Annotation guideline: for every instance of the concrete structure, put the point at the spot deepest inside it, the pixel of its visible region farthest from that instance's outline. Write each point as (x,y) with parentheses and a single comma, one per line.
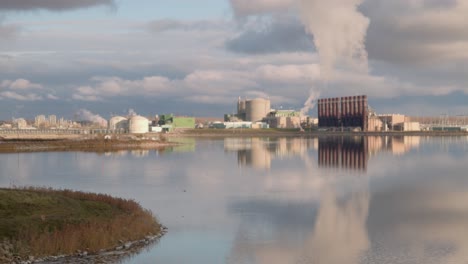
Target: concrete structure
(374,124)
(257,109)
(408,126)
(390,120)
(118,123)
(138,125)
(284,119)
(251,110)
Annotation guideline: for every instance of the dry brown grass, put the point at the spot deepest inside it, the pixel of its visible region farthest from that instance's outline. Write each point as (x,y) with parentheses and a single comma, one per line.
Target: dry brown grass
(102,225)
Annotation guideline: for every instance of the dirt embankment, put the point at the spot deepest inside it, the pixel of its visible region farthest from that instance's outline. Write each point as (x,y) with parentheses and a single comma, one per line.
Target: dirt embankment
(81,144)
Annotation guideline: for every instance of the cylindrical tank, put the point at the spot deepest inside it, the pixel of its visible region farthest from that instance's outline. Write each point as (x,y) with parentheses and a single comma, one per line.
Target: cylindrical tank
(118,123)
(257,109)
(138,125)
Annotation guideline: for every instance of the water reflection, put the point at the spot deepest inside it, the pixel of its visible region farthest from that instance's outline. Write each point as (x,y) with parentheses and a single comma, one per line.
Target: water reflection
(343,152)
(332,229)
(335,152)
(259,152)
(354,152)
(264,200)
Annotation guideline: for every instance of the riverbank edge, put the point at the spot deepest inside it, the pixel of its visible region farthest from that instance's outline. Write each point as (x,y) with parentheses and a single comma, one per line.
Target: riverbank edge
(213,133)
(14,145)
(124,248)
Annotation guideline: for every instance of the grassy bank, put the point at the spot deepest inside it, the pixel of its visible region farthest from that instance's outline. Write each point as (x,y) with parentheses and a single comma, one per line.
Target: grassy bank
(41,222)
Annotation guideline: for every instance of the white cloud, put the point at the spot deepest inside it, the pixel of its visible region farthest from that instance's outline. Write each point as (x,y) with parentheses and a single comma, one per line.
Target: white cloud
(23,84)
(52,97)
(20,84)
(20,97)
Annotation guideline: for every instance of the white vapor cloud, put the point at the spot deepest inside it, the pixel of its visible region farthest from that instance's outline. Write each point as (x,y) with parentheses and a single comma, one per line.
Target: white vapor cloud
(339,32)
(87,115)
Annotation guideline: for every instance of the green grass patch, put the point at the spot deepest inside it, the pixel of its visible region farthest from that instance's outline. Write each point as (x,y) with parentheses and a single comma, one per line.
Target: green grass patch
(41,222)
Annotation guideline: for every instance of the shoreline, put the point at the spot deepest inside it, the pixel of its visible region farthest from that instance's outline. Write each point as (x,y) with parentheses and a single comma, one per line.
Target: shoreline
(14,145)
(67,226)
(296,133)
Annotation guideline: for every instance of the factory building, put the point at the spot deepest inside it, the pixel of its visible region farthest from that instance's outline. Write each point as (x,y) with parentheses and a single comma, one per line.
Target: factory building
(180,122)
(353,112)
(252,110)
(407,126)
(349,112)
(284,119)
(391,120)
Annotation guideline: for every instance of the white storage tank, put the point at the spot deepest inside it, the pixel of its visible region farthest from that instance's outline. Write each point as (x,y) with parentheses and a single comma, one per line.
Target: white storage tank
(257,109)
(138,125)
(118,123)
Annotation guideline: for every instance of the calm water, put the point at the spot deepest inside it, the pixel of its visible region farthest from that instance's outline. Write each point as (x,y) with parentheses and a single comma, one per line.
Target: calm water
(341,200)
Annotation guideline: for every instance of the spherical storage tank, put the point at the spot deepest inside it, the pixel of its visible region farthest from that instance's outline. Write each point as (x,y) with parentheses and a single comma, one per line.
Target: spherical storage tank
(118,123)
(138,125)
(257,109)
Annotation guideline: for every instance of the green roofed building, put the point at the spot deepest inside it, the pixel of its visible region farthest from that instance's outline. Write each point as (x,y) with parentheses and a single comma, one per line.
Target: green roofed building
(183,122)
(177,122)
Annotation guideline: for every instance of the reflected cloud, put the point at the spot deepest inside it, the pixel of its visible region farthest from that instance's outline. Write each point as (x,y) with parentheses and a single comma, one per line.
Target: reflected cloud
(333,233)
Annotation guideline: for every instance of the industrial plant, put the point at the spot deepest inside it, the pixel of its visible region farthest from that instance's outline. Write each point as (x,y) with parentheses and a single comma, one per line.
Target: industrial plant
(257,113)
(337,114)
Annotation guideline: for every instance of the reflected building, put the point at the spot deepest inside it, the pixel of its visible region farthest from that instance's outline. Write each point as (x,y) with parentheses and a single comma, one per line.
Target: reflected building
(354,152)
(343,152)
(258,153)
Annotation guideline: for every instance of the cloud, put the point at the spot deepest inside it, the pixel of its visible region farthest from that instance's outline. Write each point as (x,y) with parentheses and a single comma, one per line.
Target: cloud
(278,35)
(52,5)
(417,32)
(8,30)
(25,90)
(20,84)
(20,97)
(244,8)
(162,25)
(23,84)
(114,86)
(52,97)
(288,74)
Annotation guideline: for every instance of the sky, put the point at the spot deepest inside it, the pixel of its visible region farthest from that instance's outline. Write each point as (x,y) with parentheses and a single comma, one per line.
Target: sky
(197,57)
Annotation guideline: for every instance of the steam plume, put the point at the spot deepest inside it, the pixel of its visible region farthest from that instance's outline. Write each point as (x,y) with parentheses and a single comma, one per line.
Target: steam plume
(339,32)
(89,116)
(131,112)
(311,101)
